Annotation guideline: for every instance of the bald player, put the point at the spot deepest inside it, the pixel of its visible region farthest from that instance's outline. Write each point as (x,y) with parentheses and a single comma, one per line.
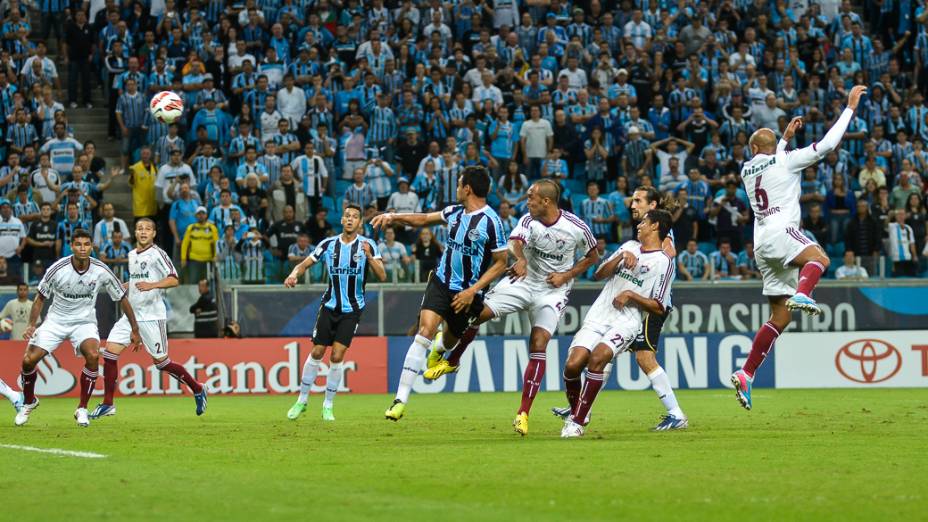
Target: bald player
(546,244)
(772,180)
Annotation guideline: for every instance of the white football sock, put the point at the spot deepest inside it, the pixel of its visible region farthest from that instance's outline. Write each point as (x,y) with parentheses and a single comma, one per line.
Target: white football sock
(310,370)
(412,365)
(661,384)
(8,392)
(332,381)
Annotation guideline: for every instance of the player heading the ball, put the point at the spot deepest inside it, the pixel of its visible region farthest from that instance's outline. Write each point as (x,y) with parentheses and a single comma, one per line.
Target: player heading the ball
(475,256)
(773,181)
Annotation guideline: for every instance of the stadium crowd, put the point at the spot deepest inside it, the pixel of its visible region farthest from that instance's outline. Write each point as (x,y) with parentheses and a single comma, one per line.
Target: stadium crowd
(295,108)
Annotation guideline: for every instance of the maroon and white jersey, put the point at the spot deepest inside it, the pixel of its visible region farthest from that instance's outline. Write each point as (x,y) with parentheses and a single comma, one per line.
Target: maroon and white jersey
(150,265)
(74,294)
(773,182)
(551,248)
(650,278)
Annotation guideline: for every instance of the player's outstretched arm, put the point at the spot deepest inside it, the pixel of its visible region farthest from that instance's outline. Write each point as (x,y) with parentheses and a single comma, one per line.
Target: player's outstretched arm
(34,314)
(807,156)
(413,219)
(465,297)
(298,271)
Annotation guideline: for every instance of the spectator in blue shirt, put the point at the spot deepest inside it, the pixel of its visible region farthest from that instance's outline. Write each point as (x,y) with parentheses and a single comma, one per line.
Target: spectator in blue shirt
(724,262)
(183,212)
(692,264)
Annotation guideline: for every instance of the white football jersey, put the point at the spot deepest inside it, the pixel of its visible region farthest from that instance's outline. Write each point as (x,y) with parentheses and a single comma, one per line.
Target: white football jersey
(74,294)
(773,184)
(150,265)
(651,278)
(552,248)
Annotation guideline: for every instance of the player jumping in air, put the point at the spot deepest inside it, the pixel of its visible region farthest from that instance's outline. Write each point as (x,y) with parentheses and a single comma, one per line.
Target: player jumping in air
(150,273)
(645,345)
(474,257)
(74,282)
(772,180)
(545,244)
(614,321)
(347,258)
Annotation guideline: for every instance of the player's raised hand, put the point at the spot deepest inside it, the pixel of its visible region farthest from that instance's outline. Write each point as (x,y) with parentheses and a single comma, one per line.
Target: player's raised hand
(518,270)
(857,92)
(558,279)
(382,220)
(463,300)
(794,125)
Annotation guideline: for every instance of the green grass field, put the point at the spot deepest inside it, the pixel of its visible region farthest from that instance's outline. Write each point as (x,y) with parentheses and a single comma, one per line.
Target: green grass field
(800,455)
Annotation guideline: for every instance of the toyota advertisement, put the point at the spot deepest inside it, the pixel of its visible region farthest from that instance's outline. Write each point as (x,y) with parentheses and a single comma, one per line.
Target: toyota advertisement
(491,364)
(852,360)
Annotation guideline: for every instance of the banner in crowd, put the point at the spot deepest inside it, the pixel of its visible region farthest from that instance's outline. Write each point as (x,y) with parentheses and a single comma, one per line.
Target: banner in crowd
(707,309)
(237,366)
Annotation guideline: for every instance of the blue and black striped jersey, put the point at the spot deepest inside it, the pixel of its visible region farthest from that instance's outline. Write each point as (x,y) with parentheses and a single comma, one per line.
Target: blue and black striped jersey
(472,238)
(347,266)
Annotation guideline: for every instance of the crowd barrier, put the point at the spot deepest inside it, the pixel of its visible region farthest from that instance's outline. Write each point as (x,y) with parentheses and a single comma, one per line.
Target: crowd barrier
(373,364)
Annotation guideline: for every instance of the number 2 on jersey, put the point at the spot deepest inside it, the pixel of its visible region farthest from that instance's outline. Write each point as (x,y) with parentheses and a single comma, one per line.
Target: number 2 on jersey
(760,195)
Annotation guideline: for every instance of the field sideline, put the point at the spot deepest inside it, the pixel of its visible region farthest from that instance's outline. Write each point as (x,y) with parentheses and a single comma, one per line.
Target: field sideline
(801,455)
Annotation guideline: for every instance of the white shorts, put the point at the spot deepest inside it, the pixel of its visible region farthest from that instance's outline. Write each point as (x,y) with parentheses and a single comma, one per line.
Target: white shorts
(154,335)
(50,335)
(774,255)
(508,297)
(618,337)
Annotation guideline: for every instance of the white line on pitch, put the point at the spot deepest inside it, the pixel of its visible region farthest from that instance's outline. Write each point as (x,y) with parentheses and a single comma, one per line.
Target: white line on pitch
(56,451)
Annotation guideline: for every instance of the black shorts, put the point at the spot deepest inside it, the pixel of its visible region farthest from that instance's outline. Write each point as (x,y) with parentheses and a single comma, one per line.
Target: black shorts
(650,332)
(335,327)
(437,298)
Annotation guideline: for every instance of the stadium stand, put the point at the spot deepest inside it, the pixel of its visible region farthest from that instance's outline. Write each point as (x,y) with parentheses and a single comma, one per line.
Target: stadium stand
(286,100)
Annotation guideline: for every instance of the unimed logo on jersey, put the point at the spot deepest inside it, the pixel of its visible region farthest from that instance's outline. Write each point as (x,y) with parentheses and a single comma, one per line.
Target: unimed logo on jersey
(868,361)
(225,366)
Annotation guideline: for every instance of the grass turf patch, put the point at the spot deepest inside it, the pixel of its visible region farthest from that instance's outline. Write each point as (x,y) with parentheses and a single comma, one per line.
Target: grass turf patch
(800,455)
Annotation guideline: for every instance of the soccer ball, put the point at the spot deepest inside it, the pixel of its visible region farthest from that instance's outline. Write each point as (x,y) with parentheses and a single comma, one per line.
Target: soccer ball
(166,107)
(6,325)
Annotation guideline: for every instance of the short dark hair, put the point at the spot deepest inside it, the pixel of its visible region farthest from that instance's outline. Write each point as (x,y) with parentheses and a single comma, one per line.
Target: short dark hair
(355,207)
(663,219)
(148,220)
(478,179)
(80,233)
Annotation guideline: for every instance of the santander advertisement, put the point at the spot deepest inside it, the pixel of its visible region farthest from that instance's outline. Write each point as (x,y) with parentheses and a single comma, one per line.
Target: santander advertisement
(227,366)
